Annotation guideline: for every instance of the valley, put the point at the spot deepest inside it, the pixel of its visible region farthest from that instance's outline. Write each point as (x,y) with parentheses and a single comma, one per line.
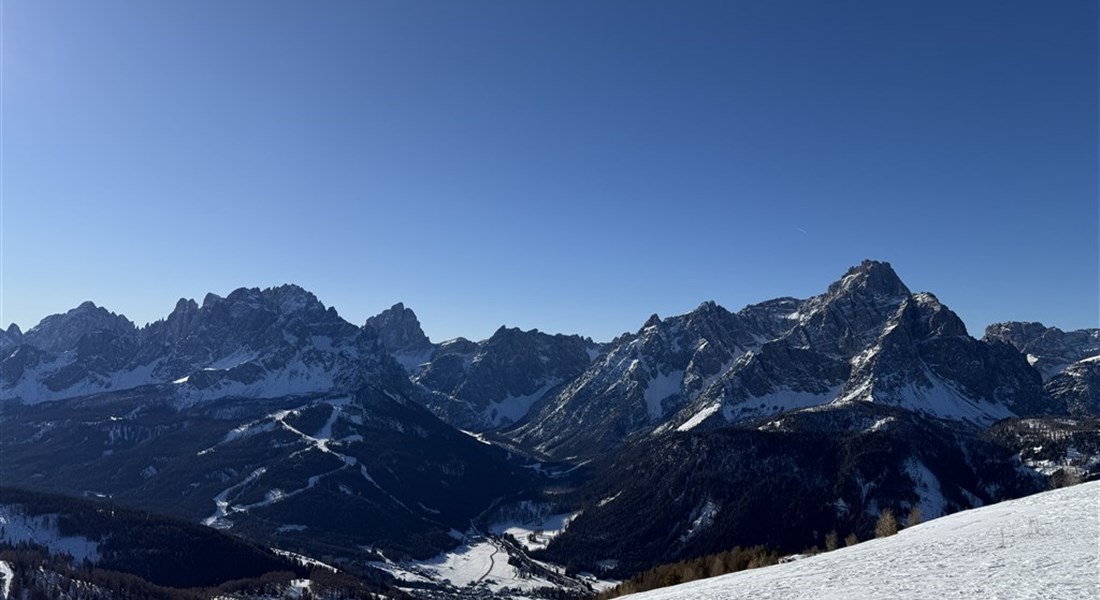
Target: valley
(528,464)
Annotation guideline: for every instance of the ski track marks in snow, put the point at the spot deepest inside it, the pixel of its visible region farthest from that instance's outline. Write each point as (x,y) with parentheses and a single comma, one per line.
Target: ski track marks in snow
(223,501)
(1043,546)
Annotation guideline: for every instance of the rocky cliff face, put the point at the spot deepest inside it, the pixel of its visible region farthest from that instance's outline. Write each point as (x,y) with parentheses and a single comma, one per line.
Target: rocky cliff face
(266,412)
(1069,361)
(263,411)
(1048,349)
(253,343)
(399,330)
(482,386)
(1078,387)
(493,383)
(866,339)
(784,483)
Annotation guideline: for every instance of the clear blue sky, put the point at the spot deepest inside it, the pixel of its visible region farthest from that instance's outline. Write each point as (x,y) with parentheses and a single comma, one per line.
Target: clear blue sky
(571,166)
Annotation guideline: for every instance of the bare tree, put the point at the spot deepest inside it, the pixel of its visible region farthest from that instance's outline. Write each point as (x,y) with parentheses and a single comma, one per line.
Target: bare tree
(915,517)
(887,524)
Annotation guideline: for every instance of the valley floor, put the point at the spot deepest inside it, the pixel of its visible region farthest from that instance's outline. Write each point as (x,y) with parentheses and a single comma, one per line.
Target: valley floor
(1045,546)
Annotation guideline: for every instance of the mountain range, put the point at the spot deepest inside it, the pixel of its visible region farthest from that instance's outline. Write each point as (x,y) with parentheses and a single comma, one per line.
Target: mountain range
(266,414)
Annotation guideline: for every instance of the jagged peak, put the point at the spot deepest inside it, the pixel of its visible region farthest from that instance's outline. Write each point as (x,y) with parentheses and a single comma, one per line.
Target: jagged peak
(506,333)
(1026,324)
(709,309)
(244,294)
(60,332)
(396,312)
(652,321)
(1023,328)
(288,290)
(870,276)
(88,308)
(938,319)
(287,298)
(185,304)
(292,298)
(14,330)
(398,328)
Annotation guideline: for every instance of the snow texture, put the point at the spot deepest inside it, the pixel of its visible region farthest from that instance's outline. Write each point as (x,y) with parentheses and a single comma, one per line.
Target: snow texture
(1042,546)
(481,563)
(546,528)
(513,408)
(7,574)
(781,400)
(700,416)
(224,501)
(660,387)
(932,502)
(41,530)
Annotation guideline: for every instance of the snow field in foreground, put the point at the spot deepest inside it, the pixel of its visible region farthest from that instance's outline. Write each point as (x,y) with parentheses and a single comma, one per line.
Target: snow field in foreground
(1042,547)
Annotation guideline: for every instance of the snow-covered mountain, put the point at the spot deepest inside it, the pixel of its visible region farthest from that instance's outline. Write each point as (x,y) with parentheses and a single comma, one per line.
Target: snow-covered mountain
(1078,387)
(399,330)
(480,386)
(248,411)
(267,413)
(254,343)
(784,483)
(1069,361)
(46,539)
(866,339)
(339,474)
(1042,546)
(493,383)
(1048,349)
(11,336)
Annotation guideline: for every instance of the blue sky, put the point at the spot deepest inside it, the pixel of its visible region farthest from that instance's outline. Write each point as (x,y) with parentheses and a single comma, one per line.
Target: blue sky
(571,166)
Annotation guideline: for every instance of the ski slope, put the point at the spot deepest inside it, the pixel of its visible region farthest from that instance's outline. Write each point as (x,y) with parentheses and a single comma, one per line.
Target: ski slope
(1045,546)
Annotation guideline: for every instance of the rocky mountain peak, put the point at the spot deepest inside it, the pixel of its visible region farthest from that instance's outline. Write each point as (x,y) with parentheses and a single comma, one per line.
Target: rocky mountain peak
(399,329)
(57,333)
(709,311)
(11,337)
(867,338)
(255,308)
(513,337)
(1048,349)
(853,311)
(290,298)
(185,305)
(870,277)
(1019,333)
(937,319)
(1078,387)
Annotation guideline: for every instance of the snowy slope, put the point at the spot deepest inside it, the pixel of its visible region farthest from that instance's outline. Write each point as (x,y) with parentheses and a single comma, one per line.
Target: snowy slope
(1042,546)
(16,527)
